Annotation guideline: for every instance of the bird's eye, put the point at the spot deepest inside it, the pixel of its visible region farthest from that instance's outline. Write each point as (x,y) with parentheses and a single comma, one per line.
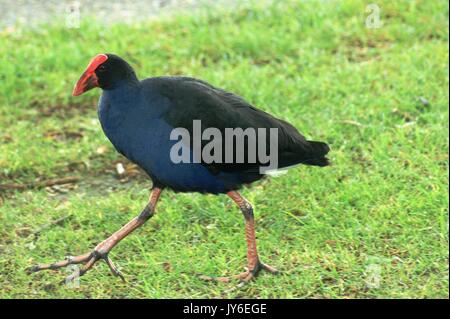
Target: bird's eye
(101,68)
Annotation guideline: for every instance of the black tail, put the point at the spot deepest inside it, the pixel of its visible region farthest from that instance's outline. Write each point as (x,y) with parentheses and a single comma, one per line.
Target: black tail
(319,149)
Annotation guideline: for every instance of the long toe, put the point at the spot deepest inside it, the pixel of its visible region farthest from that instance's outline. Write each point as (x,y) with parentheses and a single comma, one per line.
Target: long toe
(270,269)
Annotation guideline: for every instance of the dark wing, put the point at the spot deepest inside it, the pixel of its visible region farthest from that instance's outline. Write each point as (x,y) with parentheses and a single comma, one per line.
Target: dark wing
(193,99)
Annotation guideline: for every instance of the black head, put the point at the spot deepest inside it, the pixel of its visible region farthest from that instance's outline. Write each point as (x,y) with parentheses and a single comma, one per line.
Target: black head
(114,70)
(105,71)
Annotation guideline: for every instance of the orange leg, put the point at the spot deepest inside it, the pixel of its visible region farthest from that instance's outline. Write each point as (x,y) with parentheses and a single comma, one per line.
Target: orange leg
(102,250)
(254,265)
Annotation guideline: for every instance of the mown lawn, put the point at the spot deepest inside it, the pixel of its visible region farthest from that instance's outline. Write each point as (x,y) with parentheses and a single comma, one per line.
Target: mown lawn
(373,225)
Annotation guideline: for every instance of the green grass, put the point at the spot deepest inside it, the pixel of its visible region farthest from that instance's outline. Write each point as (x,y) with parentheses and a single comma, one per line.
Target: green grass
(382,208)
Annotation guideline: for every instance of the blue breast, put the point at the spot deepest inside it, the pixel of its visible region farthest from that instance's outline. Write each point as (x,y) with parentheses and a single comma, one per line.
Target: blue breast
(133,122)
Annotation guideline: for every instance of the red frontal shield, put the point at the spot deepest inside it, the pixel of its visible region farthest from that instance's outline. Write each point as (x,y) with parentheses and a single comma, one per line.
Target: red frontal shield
(88,79)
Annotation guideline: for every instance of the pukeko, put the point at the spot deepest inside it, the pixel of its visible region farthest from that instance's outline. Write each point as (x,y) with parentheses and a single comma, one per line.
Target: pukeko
(140,117)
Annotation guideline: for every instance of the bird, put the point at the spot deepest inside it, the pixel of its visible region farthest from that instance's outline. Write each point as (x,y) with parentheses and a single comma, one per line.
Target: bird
(141,118)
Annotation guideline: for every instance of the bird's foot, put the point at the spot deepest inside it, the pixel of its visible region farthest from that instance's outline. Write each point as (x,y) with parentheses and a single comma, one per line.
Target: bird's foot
(246,276)
(88,260)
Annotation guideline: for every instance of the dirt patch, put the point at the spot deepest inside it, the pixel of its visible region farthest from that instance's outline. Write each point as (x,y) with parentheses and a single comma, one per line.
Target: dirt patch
(359,50)
(6,138)
(64,135)
(40,183)
(76,177)
(358,157)
(60,109)
(67,110)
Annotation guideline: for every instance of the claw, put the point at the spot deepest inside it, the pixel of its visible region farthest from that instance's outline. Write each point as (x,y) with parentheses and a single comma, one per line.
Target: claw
(32,269)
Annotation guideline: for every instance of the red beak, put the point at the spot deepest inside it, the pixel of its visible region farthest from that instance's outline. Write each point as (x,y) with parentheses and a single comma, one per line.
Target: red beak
(88,79)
